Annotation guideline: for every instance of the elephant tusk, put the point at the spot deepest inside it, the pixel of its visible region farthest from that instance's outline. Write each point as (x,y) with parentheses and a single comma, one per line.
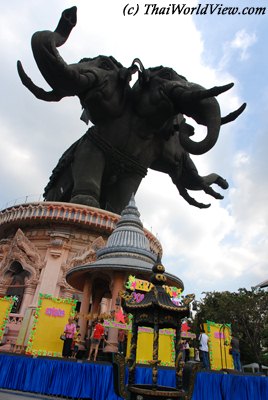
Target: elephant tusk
(38,92)
(233,115)
(213,92)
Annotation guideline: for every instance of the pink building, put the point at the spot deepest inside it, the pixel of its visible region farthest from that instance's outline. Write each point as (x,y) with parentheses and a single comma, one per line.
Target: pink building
(41,243)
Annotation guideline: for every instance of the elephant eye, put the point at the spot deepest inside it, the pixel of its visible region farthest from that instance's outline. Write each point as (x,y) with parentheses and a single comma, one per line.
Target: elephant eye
(105,64)
(165,75)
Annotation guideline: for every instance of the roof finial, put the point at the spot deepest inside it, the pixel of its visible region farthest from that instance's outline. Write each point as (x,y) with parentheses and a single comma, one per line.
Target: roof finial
(158,278)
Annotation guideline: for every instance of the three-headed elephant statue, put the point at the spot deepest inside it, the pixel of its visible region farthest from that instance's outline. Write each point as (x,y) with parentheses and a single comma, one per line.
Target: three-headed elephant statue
(133,127)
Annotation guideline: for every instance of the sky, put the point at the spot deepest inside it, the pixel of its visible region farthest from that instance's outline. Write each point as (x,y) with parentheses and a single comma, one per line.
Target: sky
(221,248)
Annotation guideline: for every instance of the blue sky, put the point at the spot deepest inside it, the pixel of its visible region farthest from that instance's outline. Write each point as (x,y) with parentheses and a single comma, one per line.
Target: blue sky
(221,248)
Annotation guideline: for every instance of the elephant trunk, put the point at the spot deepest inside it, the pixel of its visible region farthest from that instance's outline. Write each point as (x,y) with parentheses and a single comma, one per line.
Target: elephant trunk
(199,104)
(65,80)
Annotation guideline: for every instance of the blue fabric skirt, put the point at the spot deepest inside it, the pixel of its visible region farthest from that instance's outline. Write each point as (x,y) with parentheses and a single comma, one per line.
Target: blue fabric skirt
(95,380)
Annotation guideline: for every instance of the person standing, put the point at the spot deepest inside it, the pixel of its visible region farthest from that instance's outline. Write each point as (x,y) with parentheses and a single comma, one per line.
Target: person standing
(97,335)
(69,331)
(203,347)
(235,350)
(187,351)
(121,341)
(191,351)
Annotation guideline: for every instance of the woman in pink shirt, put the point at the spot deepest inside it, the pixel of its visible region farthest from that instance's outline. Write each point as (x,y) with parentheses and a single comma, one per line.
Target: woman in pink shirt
(69,331)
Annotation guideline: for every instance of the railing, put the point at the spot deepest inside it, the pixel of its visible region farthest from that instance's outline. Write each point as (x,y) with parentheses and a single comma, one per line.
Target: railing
(22,200)
(61,212)
(43,212)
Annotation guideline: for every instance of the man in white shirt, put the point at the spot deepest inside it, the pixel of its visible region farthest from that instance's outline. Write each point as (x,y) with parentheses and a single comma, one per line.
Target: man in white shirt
(203,347)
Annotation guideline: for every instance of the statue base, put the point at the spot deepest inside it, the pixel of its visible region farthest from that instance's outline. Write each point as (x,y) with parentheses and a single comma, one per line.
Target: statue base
(148,392)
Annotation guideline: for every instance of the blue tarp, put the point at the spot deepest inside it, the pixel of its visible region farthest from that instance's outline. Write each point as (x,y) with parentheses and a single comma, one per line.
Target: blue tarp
(95,380)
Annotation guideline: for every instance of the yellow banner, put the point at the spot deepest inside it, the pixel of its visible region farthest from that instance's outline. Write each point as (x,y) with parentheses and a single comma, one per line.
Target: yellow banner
(166,350)
(51,316)
(6,304)
(219,345)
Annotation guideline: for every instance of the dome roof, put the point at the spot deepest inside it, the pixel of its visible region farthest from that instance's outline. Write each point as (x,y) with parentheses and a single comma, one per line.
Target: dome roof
(127,249)
(128,238)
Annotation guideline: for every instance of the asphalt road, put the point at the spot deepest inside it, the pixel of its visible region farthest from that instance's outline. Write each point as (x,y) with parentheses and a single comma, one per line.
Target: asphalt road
(15,395)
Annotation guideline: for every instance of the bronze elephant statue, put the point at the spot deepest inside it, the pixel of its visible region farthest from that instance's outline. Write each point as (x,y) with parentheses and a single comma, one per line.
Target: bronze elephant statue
(133,126)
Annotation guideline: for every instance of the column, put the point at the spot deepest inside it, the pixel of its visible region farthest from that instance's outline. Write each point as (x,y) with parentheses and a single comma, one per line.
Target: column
(118,284)
(27,299)
(84,308)
(155,361)
(133,352)
(104,306)
(56,256)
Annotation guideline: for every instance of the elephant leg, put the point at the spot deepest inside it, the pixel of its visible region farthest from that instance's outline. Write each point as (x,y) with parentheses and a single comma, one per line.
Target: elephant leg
(207,189)
(190,200)
(181,177)
(87,170)
(119,194)
(209,180)
(215,178)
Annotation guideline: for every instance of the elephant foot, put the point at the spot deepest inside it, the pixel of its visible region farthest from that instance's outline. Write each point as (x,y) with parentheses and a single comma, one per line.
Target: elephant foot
(222,182)
(85,199)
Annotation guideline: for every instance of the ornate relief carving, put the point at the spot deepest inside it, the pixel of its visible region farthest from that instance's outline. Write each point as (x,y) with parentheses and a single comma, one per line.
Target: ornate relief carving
(24,251)
(4,246)
(65,287)
(88,254)
(58,242)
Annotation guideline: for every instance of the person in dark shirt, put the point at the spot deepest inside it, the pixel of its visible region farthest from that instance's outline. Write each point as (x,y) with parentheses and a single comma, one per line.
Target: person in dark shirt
(235,350)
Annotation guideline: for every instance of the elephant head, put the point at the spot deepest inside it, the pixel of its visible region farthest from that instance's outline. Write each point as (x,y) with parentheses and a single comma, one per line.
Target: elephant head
(101,83)
(160,94)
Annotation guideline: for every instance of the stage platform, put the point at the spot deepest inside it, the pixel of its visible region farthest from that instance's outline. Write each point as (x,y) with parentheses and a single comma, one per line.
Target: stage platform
(94,381)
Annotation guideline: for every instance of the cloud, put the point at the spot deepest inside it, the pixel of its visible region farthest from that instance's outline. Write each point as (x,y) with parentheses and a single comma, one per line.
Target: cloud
(224,247)
(238,48)
(242,42)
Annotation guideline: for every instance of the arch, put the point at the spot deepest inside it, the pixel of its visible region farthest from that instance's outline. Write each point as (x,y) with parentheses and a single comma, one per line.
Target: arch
(16,277)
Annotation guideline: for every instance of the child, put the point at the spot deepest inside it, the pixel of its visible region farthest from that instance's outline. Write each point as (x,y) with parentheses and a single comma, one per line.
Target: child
(191,352)
(77,342)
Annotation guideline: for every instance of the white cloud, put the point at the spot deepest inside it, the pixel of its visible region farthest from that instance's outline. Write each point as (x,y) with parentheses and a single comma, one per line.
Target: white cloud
(224,247)
(237,48)
(243,41)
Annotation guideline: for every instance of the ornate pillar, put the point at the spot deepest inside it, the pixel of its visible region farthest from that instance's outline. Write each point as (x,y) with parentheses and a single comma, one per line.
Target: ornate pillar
(118,284)
(56,257)
(27,298)
(104,305)
(155,361)
(84,308)
(178,358)
(96,304)
(133,352)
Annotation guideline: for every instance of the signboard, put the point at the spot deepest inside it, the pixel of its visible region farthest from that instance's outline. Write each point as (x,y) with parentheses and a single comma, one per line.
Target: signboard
(134,284)
(6,304)
(166,351)
(50,318)
(219,345)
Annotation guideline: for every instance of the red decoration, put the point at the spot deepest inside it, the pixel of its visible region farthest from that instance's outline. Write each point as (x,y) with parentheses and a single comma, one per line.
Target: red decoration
(185,327)
(119,316)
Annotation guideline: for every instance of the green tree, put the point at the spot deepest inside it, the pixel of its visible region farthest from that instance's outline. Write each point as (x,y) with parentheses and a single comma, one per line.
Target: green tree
(247,312)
